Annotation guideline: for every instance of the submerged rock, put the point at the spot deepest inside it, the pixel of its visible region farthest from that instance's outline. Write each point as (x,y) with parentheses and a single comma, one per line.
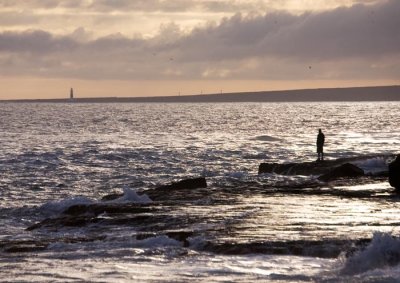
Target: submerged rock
(342,171)
(394,173)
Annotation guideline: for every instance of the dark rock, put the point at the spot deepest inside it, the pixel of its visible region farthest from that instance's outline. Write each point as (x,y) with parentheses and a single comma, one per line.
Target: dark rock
(312,248)
(25,248)
(110,208)
(312,168)
(194,183)
(112,196)
(62,222)
(343,171)
(144,236)
(303,168)
(394,173)
(81,214)
(181,236)
(77,209)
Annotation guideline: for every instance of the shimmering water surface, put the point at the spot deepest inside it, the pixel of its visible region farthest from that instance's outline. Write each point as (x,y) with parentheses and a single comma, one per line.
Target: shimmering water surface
(243,228)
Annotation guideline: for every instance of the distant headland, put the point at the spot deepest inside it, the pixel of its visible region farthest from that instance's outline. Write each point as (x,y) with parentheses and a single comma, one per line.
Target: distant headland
(376,93)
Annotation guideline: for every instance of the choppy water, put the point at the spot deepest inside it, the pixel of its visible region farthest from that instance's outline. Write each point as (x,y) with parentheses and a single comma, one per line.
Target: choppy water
(56,155)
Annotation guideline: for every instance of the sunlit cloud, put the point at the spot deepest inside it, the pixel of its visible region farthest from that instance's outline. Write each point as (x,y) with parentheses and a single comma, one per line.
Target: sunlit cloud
(102,17)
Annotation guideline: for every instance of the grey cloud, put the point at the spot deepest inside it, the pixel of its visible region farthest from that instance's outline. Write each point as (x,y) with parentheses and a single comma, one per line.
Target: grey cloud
(227,6)
(35,42)
(278,46)
(13,18)
(345,32)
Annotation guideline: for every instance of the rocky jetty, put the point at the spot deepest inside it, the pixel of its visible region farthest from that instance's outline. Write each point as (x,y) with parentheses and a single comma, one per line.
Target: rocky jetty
(308,168)
(327,170)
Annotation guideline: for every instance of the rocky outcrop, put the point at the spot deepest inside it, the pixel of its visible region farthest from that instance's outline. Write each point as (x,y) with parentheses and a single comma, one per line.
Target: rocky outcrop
(394,173)
(302,168)
(193,183)
(317,167)
(139,213)
(305,168)
(154,194)
(84,214)
(346,170)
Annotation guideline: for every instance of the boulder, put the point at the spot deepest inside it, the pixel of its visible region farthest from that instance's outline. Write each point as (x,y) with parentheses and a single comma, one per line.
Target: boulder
(346,170)
(394,173)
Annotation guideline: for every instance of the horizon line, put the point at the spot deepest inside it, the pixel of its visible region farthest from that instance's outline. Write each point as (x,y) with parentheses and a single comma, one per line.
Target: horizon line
(195,95)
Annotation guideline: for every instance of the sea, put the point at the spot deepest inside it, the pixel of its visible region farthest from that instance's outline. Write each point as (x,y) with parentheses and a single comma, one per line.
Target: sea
(244,227)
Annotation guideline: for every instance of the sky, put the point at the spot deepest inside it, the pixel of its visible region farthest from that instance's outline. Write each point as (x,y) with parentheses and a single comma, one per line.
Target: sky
(185,47)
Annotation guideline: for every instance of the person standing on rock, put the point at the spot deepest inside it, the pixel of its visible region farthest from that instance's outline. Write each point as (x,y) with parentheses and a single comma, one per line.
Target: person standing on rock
(320,145)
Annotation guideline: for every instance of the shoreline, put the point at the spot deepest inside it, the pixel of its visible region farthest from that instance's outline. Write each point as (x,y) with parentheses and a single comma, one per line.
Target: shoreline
(351,94)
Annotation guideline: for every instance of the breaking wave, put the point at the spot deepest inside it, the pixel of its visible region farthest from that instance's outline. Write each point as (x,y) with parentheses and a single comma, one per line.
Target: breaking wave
(382,252)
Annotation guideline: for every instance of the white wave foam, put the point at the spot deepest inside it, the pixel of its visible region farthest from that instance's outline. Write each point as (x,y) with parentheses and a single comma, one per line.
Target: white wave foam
(159,241)
(131,195)
(382,252)
(57,207)
(373,165)
(237,175)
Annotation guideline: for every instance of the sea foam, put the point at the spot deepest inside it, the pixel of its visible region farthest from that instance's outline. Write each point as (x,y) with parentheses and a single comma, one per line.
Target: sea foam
(382,252)
(130,195)
(373,165)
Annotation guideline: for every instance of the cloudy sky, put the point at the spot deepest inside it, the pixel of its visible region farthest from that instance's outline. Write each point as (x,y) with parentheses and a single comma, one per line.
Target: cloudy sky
(167,47)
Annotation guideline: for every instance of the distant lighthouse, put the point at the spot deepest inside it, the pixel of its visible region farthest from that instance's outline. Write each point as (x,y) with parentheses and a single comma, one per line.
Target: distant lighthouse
(71,94)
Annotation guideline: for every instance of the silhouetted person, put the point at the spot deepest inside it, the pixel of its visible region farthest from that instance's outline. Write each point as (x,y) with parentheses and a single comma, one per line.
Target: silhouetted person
(394,173)
(320,145)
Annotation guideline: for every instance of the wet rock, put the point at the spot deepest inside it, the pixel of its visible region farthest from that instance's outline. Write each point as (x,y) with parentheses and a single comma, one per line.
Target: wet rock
(181,236)
(159,192)
(346,170)
(21,246)
(144,236)
(322,249)
(82,215)
(312,168)
(64,221)
(394,173)
(303,168)
(193,183)
(25,248)
(28,246)
(112,196)
(112,208)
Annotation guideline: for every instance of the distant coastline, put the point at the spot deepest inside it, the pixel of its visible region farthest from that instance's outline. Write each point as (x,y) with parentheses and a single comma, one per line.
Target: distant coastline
(377,93)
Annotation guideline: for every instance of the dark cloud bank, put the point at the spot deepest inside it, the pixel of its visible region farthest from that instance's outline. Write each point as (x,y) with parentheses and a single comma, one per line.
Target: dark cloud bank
(362,33)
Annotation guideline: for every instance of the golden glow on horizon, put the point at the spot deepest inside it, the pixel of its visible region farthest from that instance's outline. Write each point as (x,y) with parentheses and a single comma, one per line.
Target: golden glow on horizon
(33,88)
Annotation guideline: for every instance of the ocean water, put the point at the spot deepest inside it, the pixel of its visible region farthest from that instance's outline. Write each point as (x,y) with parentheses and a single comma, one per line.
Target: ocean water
(244,227)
